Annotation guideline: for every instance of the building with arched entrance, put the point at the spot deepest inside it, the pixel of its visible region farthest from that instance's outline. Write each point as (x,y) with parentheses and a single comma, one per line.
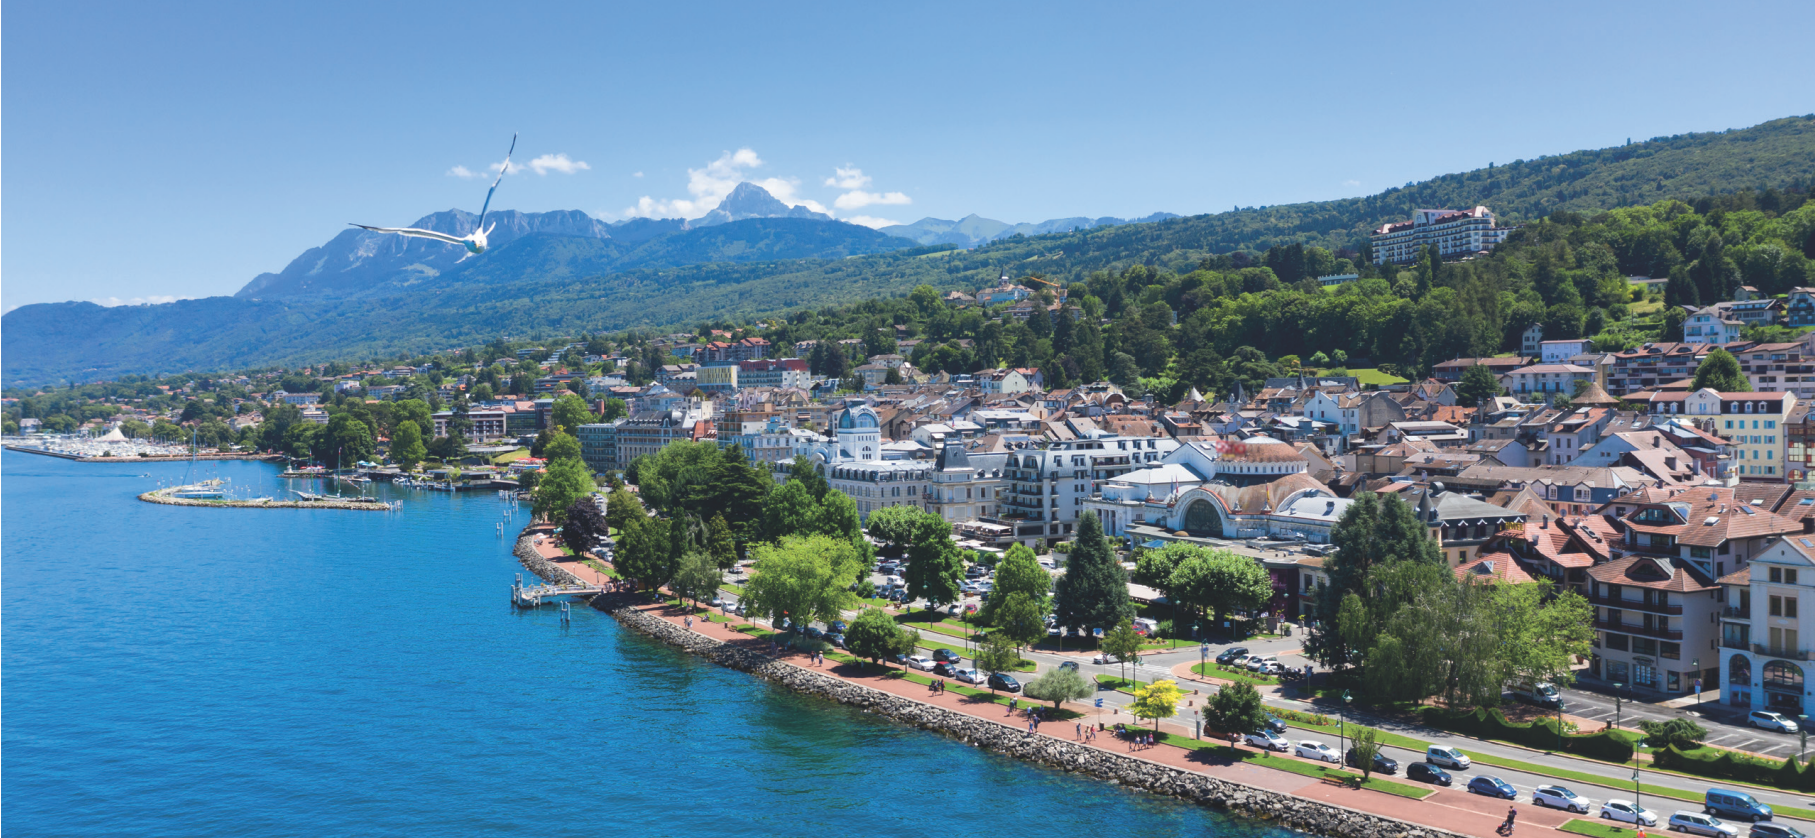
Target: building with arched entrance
(1255,488)
(1765,634)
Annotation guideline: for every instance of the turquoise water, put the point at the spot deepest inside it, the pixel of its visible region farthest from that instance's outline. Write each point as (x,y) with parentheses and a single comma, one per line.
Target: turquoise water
(173,671)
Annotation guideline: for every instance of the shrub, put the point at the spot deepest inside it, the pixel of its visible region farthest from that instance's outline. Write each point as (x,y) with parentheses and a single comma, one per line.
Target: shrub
(1542,734)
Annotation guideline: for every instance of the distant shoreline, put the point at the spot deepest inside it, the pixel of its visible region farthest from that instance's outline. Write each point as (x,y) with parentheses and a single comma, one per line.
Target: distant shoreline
(158,458)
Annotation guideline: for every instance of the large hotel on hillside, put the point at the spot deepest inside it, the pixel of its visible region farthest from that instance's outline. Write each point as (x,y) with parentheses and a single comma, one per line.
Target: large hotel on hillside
(1454,232)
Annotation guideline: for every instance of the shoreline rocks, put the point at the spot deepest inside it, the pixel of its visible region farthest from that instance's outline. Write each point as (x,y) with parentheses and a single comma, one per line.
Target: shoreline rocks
(1134,772)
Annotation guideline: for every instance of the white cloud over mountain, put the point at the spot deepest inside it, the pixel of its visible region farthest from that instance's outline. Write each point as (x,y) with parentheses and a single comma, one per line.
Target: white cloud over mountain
(558,163)
(708,185)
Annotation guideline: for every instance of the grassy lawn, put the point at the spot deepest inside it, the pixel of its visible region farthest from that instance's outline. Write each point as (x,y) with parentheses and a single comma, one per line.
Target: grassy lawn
(1121,684)
(507,457)
(1375,377)
(1385,737)
(1293,765)
(1584,826)
(1023,666)
(950,686)
(936,628)
(1211,670)
(727,586)
(604,568)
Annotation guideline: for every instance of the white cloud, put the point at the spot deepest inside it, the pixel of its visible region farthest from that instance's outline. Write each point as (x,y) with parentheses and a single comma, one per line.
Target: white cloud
(462,171)
(851,178)
(638,174)
(858,199)
(710,184)
(872,221)
(557,163)
(1351,183)
(153,299)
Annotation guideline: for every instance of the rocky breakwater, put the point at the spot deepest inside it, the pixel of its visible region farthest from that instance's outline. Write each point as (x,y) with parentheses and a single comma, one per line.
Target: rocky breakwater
(167,497)
(548,571)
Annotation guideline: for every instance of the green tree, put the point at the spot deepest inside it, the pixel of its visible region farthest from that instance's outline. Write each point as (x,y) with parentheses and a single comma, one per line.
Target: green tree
(934,562)
(720,544)
(406,446)
(1093,593)
(1156,701)
(1020,619)
(415,411)
(1720,372)
(1059,685)
(1477,383)
(803,578)
(875,635)
(347,440)
(997,654)
(1019,572)
(570,412)
(1123,643)
(805,472)
(561,446)
(895,525)
(562,483)
(614,409)
(620,506)
(789,510)
(1236,708)
(642,551)
(1219,581)
(1542,633)
(1374,532)
(1367,744)
(696,576)
(1383,672)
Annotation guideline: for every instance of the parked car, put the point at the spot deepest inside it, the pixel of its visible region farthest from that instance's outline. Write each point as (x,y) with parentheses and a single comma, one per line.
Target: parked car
(1316,750)
(1257,662)
(1557,797)
(1267,740)
(1272,668)
(1229,655)
(947,656)
(1382,763)
(1767,720)
(920,662)
(739,610)
(1428,773)
(1626,811)
(1774,830)
(1447,757)
(716,602)
(1276,724)
(970,588)
(1004,682)
(1737,805)
(899,659)
(1696,823)
(813,632)
(1103,658)
(835,638)
(945,670)
(972,676)
(836,626)
(1492,787)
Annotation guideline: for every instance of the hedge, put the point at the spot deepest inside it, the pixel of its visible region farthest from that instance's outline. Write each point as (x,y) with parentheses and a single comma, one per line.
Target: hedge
(1605,745)
(1727,765)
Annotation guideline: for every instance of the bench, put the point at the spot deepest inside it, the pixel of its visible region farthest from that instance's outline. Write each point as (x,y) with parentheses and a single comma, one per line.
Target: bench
(1338,779)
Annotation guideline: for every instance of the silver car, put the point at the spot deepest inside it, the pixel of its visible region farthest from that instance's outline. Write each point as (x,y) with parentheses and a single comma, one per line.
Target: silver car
(1557,797)
(1696,823)
(1268,741)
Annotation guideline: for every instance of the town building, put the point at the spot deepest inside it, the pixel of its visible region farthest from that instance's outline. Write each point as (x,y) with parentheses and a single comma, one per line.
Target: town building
(1711,325)
(1545,380)
(487,424)
(599,445)
(1452,232)
(1765,638)
(780,372)
(1654,624)
(1560,351)
(1755,425)
(717,377)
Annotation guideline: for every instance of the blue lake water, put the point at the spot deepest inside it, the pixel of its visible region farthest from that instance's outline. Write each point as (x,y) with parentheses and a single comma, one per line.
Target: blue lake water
(175,671)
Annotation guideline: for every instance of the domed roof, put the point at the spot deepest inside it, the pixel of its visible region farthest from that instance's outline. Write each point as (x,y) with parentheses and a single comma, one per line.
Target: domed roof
(1263,449)
(857,416)
(1268,496)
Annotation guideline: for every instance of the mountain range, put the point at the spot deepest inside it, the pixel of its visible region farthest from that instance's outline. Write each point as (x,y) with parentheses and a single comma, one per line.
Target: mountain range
(562,273)
(973,229)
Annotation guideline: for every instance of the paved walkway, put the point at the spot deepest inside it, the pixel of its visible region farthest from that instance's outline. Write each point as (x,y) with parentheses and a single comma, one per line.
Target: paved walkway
(1456,811)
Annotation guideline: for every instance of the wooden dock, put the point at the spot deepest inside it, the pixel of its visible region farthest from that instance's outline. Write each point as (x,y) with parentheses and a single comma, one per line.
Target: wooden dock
(530,596)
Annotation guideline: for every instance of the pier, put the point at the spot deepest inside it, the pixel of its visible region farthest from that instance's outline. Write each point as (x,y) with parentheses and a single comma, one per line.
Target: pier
(531,596)
(209,494)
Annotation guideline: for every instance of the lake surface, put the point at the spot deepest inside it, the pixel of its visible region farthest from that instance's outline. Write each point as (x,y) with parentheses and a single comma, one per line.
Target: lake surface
(200,672)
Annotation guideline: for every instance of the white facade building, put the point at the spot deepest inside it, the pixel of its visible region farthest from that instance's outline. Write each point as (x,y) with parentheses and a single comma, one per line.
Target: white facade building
(1453,232)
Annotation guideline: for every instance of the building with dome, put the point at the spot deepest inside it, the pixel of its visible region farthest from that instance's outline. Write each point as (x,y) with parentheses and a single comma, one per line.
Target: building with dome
(854,462)
(1254,488)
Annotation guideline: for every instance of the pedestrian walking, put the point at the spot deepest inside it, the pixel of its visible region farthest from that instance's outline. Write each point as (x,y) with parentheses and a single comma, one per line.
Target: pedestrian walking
(1080,730)
(1512,814)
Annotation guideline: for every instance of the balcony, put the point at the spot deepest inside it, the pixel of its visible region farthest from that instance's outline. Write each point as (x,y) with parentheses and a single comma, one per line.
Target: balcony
(1734,612)
(1780,652)
(1628,628)
(1739,643)
(1636,605)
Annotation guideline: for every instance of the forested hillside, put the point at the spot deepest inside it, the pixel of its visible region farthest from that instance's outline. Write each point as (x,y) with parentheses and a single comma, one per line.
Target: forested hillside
(81,341)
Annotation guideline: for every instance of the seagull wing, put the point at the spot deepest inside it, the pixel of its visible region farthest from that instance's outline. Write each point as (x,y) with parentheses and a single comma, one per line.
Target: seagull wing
(488,192)
(412,231)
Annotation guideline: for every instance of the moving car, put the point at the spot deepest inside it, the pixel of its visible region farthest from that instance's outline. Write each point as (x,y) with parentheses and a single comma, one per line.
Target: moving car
(1540,694)
(972,676)
(1626,811)
(1736,805)
(1426,772)
(947,656)
(1447,757)
(1696,823)
(1276,724)
(1004,682)
(1774,830)
(1767,720)
(1071,665)
(1267,740)
(1557,797)
(920,662)
(1492,787)
(1316,750)
(1382,763)
(1229,655)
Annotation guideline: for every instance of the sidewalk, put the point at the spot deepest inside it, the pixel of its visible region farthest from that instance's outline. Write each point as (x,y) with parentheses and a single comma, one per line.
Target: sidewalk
(1451,810)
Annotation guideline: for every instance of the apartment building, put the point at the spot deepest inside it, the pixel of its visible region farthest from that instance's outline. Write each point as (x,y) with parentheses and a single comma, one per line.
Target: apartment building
(1545,380)
(1654,364)
(487,424)
(1711,325)
(1655,628)
(1789,367)
(599,445)
(1755,426)
(780,372)
(1049,486)
(1452,232)
(1765,637)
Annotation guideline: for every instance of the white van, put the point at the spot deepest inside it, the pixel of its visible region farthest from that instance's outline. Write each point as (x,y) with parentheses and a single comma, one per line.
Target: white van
(1146,626)
(1451,757)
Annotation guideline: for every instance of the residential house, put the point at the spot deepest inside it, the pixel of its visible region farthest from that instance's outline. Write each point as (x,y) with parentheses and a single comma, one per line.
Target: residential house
(1546,380)
(1560,351)
(1765,639)
(1711,325)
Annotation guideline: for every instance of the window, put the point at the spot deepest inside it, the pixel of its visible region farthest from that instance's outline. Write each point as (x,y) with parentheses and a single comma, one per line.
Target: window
(1776,606)
(1789,606)
(1789,576)
(1700,553)
(1616,642)
(1672,651)
(1644,646)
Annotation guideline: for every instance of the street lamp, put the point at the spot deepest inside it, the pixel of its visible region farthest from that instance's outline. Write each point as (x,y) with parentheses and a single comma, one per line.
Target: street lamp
(1342,729)
(1802,731)
(1696,664)
(1637,790)
(1616,704)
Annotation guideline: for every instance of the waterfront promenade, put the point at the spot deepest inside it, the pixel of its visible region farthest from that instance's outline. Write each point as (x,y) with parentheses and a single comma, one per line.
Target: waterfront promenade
(1454,810)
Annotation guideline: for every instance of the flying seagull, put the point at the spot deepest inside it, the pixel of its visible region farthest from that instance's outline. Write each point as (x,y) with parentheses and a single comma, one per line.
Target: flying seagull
(475,242)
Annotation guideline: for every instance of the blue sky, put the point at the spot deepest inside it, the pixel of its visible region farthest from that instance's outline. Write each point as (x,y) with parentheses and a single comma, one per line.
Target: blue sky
(162,151)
